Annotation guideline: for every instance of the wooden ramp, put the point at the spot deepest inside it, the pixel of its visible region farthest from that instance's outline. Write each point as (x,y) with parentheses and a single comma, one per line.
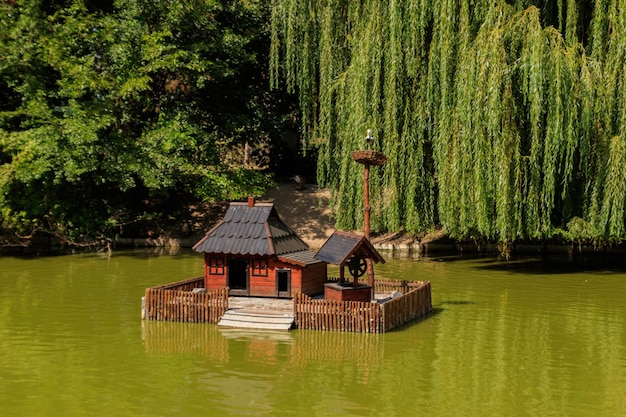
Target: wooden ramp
(257,319)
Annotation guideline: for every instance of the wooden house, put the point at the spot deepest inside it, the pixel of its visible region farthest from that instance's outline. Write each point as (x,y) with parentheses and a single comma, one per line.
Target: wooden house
(252,252)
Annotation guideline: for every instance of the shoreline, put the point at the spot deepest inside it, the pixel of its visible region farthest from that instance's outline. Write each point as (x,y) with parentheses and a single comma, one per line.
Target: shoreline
(405,248)
(416,249)
(306,212)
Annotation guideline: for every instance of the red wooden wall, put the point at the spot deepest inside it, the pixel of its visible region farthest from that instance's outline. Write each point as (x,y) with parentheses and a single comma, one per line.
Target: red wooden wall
(314,279)
(308,280)
(265,286)
(213,281)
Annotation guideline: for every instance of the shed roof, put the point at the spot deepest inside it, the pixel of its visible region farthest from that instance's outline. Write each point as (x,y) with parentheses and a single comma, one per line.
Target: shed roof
(302,258)
(340,247)
(252,229)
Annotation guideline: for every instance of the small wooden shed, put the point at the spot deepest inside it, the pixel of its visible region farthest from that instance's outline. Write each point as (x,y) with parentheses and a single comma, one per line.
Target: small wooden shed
(351,250)
(254,253)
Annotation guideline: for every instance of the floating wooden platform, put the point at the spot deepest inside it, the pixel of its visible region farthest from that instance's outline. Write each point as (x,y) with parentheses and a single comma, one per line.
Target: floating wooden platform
(257,319)
(188,301)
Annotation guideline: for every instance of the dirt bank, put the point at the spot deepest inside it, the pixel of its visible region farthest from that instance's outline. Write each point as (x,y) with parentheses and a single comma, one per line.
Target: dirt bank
(305,211)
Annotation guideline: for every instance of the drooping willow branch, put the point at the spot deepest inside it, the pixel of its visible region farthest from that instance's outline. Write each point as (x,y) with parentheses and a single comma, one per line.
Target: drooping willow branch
(501,121)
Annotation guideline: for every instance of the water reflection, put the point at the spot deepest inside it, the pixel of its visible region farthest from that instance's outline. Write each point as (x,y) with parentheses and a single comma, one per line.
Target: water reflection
(297,348)
(164,337)
(507,339)
(253,373)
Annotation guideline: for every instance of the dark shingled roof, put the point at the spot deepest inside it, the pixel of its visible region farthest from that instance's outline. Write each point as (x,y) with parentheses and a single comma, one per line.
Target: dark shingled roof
(255,230)
(340,247)
(303,258)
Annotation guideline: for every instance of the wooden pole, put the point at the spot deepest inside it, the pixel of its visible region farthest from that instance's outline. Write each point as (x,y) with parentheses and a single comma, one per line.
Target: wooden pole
(366,223)
(366,201)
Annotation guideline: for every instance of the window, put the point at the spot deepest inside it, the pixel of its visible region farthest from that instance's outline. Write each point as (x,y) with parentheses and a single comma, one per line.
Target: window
(259,267)
(216,266)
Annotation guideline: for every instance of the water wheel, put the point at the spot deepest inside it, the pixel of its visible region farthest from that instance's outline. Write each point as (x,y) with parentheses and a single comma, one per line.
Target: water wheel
(357,266)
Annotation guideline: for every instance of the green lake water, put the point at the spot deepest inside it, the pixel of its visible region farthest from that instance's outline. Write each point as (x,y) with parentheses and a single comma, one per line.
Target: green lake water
(527,337)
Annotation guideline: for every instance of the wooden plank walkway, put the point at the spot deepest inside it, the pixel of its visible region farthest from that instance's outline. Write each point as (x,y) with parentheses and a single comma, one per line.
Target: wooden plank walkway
(255,319)
(258,313)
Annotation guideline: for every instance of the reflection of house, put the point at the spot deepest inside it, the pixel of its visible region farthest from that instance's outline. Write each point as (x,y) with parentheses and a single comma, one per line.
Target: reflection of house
(254,253)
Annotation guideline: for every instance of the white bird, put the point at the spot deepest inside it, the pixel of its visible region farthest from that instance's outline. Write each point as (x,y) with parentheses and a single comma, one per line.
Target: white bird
(300,181)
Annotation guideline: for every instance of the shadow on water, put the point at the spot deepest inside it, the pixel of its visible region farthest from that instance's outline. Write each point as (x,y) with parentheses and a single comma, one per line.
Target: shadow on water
(176,252)
(457,302)
(556,264)
(436,311)
(546,264)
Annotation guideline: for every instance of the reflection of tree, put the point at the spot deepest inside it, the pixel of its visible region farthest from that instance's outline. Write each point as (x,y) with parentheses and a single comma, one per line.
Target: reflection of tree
(547,346)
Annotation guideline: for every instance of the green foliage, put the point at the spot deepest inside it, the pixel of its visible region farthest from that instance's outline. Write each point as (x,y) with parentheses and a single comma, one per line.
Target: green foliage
(501,120)
(102,108)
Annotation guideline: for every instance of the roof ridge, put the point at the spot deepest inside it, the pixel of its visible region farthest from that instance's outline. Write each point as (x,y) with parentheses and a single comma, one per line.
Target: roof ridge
(256,204)
(249,230)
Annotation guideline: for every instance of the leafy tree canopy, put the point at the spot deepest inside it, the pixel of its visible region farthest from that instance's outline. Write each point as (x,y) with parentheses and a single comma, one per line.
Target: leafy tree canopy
(107,105)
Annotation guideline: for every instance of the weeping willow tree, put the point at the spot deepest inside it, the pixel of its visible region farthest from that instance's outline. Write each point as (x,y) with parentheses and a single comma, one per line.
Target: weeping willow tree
(501,120)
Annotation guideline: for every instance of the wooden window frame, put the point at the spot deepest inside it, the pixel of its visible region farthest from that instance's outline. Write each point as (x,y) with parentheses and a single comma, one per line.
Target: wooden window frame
(259,267)
(216,266)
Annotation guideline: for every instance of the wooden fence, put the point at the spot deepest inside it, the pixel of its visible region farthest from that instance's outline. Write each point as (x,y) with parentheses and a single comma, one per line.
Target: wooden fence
(354,316)
(177,302)
(398,311)
(348,316)
(186,285)
(387,285)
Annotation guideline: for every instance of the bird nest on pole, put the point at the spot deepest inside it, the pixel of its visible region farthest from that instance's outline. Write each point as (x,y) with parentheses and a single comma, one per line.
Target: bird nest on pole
(369,157)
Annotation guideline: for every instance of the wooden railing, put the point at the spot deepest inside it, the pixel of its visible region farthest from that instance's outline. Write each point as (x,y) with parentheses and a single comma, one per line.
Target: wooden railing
(178,302)
(348,316)
(398,311)
(171,303)
(186,285)
(387,285)
(354,316)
